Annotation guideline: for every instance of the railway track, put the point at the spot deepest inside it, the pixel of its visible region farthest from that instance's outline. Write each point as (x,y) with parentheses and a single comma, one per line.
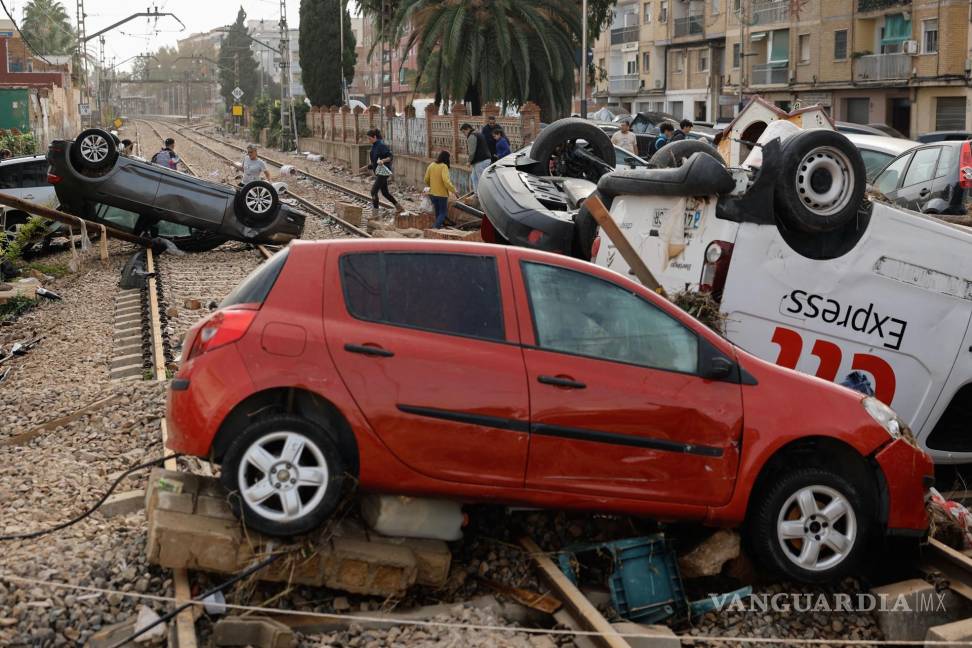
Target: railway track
(337,226)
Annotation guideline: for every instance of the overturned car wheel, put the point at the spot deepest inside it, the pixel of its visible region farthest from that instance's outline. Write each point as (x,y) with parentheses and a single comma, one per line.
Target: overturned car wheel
(94,150)
(563,134)
(672,155)
(257,204)
(822,181)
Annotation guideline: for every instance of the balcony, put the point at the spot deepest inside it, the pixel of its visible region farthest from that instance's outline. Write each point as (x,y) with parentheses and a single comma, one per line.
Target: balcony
(771,74)
(766,13)
(625,35)
(689,26)
(624,84)
(882,67)
(877,5)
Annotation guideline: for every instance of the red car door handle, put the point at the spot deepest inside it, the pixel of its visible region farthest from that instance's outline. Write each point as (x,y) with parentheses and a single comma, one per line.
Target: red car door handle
(561,381)
(368,350)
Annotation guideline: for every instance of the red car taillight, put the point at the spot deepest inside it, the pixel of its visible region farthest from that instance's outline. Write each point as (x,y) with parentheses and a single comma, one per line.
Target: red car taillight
(222,328)
(53,179)
(534,237)
(715,268)
(965,166)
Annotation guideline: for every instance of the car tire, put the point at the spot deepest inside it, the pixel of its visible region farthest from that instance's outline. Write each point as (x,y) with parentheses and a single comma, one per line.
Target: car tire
(94,150)
(672,155)
(199,241)
(822,181)
(566,130)
(257,204)
(784,521)
(585,231)
(300,451)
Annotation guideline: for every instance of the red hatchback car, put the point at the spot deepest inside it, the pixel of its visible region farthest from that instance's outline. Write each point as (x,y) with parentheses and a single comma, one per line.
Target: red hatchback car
(491,373)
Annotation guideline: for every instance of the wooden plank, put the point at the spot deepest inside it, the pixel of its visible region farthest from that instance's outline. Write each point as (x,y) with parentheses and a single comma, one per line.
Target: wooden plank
(24,437)
(68,219)
(613,232)
(953,556)
(937,564)
(581,609)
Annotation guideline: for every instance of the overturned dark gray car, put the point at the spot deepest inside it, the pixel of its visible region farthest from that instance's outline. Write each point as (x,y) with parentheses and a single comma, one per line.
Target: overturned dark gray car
(93,181)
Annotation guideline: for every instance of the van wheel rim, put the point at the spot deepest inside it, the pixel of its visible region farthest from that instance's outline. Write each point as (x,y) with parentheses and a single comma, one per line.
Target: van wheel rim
(258,200)
(817,528)
(825,180)
(94,148)
(283,476)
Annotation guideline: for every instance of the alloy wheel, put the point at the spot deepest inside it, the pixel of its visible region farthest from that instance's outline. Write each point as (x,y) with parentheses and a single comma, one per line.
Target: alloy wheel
(283,476)
(94,148)
(259,200)
(817,528)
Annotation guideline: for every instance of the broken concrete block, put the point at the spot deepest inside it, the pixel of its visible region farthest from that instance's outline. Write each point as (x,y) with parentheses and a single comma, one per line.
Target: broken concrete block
(411,232)
(192,304)
(363,567)
(215,507)
(20,288)
(350,213)
(123,504)
(177,502)
(908,609)
(432,557)
(172,311)
(184,540)
(110,635)
(661,636)
(957,632)
(384,233)
(450,234)
(708,558)
(259,632)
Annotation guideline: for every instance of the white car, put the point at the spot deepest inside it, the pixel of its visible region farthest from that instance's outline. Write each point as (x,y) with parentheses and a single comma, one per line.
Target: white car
(878,150)
(26,178)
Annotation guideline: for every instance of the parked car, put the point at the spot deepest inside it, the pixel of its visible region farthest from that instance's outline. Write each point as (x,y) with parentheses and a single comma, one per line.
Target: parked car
(932,179)
(93,181)
(605,397)
(944,136)
(26,178)
(878,150)
(848,128)
(890,131)
(807,272)
(645,126)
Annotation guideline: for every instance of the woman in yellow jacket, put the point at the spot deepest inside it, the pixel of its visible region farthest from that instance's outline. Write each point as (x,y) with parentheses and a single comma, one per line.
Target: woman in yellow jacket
(440,187)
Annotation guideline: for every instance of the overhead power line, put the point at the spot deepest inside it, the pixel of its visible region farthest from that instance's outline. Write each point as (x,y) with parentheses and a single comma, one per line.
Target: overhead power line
(24,38)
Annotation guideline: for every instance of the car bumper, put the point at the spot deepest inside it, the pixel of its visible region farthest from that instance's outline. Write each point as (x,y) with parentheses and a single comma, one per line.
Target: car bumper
(908,474)
(201,396)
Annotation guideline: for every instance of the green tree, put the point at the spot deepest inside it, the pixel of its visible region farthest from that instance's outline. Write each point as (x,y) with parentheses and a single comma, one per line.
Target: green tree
(237,65)
(320,42)
(47,28)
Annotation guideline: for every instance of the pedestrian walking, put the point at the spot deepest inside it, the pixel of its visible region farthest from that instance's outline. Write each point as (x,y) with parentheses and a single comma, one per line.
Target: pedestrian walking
(167,157)
(381,165)
(478,150)
(664,135)
(440,187)
(685,127)
(487,132)
(253,167)
(625,139)
(501,143)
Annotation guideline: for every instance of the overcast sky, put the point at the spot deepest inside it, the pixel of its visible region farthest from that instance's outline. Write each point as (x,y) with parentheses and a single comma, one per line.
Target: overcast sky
(139,36)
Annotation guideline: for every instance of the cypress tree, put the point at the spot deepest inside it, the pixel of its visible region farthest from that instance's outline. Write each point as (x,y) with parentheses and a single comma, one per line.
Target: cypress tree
(236,45)
(320,40)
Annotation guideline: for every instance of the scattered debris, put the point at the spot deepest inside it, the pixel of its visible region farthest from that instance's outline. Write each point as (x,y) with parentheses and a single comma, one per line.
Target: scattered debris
(708,558)
(259,632)
(48,294)
(192,304)
(950,522)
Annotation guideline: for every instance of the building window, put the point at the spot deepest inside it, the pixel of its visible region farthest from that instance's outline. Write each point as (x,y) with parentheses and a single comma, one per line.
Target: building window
(950,113)
(401,75)
(647,13)
(632,66)
(715,6)
(676,109)
(736,5)
(779,48)
(804,48)
(736,56)
(703,61)
(679,61)
(663,13)
(858,110)
(929,36)
(646,62)
(840,44)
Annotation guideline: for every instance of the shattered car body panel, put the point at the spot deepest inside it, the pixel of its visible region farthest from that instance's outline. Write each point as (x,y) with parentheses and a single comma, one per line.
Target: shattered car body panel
(161,195)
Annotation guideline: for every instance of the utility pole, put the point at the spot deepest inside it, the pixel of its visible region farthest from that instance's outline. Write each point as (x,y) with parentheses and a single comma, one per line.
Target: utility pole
(188,99)
(381,67)
(82,55)
(101,77)
(583,66)
(743,22)
(285,103)
(344,94)
(236,69)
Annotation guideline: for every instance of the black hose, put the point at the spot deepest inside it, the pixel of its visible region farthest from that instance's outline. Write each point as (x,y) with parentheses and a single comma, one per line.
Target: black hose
(64,525)
(238,577)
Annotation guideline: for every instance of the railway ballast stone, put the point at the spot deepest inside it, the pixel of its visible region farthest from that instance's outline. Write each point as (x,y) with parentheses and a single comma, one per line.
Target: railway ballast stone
(191,526)
(908,609)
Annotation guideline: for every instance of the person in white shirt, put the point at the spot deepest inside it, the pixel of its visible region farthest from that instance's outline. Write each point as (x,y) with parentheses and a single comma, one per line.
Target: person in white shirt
(625,139)
(253,167)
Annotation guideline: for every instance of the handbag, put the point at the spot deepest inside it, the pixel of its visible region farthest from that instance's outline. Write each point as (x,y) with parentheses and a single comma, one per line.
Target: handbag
(382,170)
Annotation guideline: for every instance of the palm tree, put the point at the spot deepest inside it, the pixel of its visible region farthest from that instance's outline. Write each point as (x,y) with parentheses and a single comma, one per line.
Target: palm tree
(47,28)
(508,51)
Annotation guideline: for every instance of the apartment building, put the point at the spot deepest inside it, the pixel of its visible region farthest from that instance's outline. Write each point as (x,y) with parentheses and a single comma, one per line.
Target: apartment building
(906,63)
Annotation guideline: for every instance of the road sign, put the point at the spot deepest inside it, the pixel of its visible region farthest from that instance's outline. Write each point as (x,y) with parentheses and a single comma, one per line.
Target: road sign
(237,93)
(237,110)
(84,109)
(118,122)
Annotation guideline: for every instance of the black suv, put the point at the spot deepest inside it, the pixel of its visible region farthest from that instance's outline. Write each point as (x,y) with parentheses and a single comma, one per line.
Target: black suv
(932,179)
(95,182)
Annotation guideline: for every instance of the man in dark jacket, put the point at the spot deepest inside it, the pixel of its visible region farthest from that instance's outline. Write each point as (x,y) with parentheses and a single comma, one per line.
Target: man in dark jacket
(479,153)
(685,127)
(487,132)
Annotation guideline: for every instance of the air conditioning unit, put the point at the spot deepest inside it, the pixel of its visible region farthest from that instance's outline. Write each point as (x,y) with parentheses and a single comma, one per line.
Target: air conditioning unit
(911,47)
(658,84)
